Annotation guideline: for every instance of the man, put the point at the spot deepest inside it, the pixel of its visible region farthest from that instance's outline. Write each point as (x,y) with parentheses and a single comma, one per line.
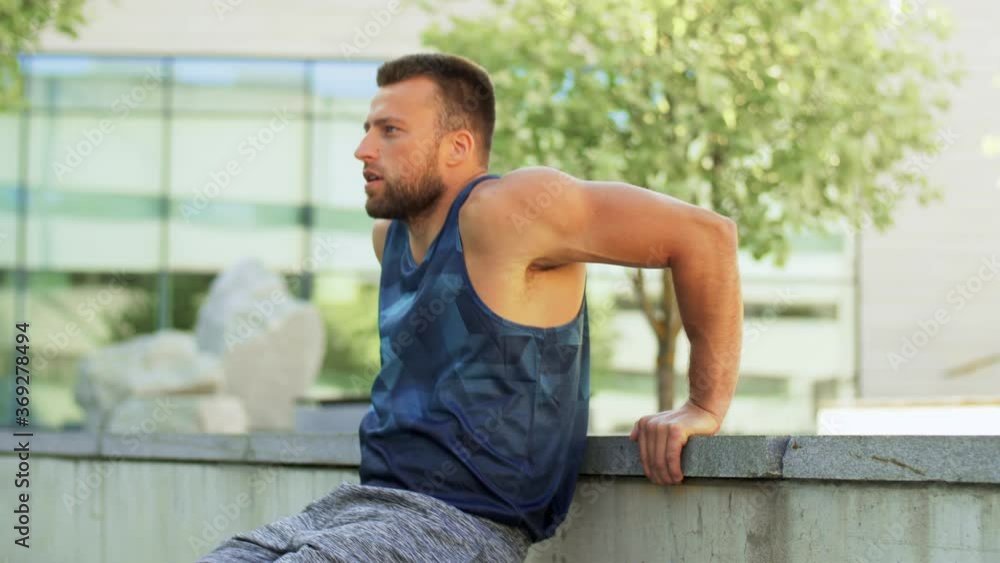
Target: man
(478,423)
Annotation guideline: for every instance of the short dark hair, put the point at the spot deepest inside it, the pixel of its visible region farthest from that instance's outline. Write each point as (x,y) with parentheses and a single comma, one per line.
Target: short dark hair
(464,89)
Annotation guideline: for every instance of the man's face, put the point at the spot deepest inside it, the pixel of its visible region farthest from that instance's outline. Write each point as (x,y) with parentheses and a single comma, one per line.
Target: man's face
(400,150)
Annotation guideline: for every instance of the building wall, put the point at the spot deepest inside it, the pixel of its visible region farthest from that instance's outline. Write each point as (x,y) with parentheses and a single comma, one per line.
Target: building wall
(287,29)
(917,271)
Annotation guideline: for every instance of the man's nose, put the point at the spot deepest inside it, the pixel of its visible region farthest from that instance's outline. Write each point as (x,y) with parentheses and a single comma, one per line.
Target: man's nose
(366,149)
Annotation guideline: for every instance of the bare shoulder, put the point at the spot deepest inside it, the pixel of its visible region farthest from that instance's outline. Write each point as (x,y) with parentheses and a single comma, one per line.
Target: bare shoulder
(518,216)
(379,231)
(516,199)
(526,184)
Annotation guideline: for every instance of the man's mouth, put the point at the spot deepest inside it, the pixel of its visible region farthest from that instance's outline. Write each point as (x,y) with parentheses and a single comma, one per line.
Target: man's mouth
(371,178)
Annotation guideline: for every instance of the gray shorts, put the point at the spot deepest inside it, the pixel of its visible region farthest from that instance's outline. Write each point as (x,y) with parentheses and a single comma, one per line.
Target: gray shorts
(358,523)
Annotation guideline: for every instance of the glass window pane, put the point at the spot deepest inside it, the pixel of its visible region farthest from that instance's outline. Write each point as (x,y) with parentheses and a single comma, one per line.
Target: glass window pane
(337,179)
(340,251)
(239,86)
(9,165)
(121,231)
(8,229)
(7,319)
(258,159)
(353,220)
(336,81)
(236,214)
(341,98)
(117,86)
(10,145)
(213,248)
(73,152)
(55,242)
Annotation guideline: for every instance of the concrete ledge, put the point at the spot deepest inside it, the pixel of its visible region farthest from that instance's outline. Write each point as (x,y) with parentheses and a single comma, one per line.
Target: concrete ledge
(71,444)
(954,459)
(200,447)
(336,450)
(742,457)
(340,450)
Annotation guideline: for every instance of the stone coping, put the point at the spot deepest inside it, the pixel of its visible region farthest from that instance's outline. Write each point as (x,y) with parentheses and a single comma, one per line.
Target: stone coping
(950,459)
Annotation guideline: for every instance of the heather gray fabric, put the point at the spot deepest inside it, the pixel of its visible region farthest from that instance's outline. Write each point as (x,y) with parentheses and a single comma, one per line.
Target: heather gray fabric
(359,523)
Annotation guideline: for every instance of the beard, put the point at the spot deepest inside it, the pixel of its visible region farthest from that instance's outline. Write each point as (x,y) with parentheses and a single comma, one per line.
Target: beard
(405,199)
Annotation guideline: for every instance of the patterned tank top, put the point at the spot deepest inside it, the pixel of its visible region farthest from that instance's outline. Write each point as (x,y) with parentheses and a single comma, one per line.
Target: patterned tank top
(478,411)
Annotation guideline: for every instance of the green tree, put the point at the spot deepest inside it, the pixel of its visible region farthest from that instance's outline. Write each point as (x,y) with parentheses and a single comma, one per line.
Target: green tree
(786,116)
(352,352)
(21,23)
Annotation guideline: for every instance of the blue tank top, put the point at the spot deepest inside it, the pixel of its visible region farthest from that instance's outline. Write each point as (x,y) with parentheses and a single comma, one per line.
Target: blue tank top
(485,414)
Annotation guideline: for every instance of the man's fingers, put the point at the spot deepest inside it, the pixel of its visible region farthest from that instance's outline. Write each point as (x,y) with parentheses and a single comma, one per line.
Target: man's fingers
(660,457)
(674,445)
(660,446)
(649,443)
(643,456)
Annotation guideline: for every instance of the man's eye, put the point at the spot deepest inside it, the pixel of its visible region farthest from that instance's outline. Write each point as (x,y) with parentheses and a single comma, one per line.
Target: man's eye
(390,129)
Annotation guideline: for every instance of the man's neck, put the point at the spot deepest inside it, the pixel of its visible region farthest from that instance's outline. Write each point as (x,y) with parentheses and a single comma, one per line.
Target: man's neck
(424,228)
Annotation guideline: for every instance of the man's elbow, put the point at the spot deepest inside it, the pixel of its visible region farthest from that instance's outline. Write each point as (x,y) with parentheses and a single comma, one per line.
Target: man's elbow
(720,237)
(728,233)
(712,236)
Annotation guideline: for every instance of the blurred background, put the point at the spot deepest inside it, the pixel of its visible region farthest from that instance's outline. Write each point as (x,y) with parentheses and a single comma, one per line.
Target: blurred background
(162,143)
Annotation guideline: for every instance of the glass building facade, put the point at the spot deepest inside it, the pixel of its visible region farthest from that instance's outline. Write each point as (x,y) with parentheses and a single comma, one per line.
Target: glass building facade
(127,184)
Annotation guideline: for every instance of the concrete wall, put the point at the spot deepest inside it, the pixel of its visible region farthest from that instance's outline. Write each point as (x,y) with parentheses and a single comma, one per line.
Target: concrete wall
(163,498)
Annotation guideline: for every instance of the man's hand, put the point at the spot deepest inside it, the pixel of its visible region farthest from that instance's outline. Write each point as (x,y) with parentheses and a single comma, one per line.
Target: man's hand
(661,437)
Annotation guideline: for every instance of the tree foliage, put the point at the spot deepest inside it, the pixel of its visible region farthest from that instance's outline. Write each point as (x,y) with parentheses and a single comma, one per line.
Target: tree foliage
(21,23)
(791,116)
(785,116)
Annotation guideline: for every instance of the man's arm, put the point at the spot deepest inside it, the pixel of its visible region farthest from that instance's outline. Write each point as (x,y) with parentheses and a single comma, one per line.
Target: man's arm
(617,223)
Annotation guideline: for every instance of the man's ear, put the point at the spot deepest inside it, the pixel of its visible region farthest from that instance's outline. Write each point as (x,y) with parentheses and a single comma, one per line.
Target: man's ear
(462,146)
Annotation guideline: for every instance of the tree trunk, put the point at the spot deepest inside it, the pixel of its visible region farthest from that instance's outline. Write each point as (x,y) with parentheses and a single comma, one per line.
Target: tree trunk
(665,377)
(665,321)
